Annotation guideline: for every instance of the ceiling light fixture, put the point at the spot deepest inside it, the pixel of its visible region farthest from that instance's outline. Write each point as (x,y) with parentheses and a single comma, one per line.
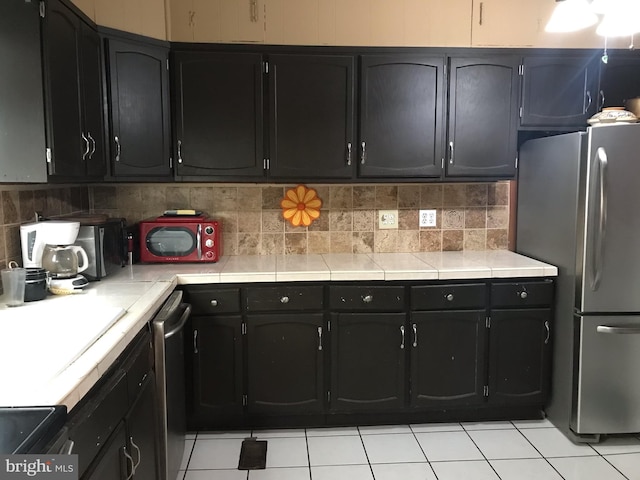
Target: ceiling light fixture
(620,18)
(571,16)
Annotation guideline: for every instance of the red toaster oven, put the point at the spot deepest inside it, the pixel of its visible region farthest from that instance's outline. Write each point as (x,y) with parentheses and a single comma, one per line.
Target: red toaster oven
(175,239)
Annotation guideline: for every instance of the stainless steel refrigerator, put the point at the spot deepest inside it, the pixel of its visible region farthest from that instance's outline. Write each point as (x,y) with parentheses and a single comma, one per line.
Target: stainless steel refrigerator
(578,208)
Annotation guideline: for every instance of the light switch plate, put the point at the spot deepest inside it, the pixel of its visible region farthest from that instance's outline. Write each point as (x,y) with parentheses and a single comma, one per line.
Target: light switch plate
(427,218)
(387,219)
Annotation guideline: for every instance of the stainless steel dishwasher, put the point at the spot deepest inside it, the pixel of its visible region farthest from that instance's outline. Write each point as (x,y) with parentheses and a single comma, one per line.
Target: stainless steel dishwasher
(168,339)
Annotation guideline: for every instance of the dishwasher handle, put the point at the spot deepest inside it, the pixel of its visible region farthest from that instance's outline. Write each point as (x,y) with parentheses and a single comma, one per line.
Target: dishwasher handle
(183,319)
(630,330)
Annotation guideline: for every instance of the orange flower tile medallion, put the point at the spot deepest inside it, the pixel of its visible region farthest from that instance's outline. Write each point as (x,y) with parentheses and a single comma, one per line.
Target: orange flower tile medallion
(301,206)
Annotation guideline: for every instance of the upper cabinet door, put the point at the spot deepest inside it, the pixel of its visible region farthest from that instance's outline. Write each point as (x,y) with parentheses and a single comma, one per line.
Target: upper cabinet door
(620,79)
(139,101)
(219,124)
(483,108)
(504,23)
(311,110)
(62,74)
(559,90)
(401,116)
(22,134)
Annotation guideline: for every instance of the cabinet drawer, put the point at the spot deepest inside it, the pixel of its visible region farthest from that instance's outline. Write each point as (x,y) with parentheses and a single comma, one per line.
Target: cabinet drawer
(284,298)
(138,367)
(362,298)
(213,300)
(518,294)
(445,297)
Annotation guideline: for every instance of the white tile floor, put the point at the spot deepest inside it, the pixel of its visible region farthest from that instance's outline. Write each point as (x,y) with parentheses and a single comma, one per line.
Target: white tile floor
(526,450)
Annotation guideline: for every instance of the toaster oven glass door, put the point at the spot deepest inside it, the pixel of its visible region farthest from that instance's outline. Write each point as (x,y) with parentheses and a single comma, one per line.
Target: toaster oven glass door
(171,241)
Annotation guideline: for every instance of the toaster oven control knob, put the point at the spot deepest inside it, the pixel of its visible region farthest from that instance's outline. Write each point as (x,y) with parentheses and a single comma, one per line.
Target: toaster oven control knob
(208,254)
(208,230)
(208,243)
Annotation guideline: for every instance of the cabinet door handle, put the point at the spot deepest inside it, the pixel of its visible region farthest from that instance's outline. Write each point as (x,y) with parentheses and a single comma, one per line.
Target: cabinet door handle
(481,12)
(546,326)
(320,338)
(179,151)
(415,335)
(367,298)
(117,140)
(195,341)
(449,297)
(130,460)
(451,153)
(363,154)
(93,145)
(87,147)
(253,10)
(284,299)
(214,303)
(523,294)
(349,153)
(588,100)
(601,98)
(139,454)
(402,333)
(191,15)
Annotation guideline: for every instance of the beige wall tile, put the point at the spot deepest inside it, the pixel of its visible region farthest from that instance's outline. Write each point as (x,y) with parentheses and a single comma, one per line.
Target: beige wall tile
(430,240)
(271,197)
(65,201)
(3,252)
(10,207)
(363,220)
(497,239)
(386,197)
(27,210)
(386,241)
(272,244)
(154,196)
(408,241)
(341,197)
(452,240)
(104,197)
(340,221)
(452,218)
(230,198)
(177,197)
(201,198)
(12,243)
(229,243)
(341,242)
(272,221)
(497,217)
(454,195)
(431,196)
(363,242)
(319,242)
(249,222)
(475,217)
(295,243)
(39,202)
(476,195)
(364,196)
(248,243)
(229,221)
(324,194)
(320,224)
(498,193)
(409,196)
(475,239)
(52,207)
(129,197)
(408,220)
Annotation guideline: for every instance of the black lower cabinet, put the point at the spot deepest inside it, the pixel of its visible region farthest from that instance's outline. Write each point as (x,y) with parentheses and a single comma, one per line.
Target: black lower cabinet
(285,363)
(217,370)
(368,361)
(448,358)
(142,432)
(112,464)
(519,357)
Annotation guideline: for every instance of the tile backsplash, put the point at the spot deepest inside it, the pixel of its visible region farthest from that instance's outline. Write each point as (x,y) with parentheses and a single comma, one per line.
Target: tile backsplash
(473,216)
(18,204)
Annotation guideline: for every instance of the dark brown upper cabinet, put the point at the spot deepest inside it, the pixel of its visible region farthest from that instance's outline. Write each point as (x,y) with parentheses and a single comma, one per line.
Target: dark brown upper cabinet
(139,110)
(559,90)
(401,116)
(482,121)
(311,117)
(218,114)
(73,89)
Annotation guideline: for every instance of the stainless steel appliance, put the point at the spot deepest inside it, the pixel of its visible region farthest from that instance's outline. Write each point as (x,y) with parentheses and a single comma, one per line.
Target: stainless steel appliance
(577,195)
(168,339)
(105,244)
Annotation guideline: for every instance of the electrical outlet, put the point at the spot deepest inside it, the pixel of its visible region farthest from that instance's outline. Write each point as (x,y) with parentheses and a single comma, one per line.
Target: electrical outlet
(387,219)
(427,218)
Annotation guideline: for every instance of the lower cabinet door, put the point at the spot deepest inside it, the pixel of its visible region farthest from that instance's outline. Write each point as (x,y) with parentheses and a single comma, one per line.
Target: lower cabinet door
(217,366)
(519,356)
(111,464)
(285,356)
(143,431)
(448,357)
(368,361)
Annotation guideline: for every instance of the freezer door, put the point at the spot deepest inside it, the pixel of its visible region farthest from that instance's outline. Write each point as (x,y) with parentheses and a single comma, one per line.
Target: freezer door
(611,266)
(607,395)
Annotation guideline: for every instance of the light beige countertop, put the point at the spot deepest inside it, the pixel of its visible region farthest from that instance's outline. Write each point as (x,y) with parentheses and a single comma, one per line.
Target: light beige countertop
(53,351)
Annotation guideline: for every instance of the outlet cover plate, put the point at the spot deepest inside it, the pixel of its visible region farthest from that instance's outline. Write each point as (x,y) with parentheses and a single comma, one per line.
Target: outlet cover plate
(427,218)
(387,219)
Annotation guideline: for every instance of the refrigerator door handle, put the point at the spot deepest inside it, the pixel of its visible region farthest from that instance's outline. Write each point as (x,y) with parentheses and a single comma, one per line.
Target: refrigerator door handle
(598,249)
(618,330)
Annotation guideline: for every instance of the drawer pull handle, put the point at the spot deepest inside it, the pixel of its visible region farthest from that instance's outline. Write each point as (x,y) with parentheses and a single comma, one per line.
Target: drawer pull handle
(523,294)
(449,297)
(320,338)
(415,335)
(195,341)
(139,454)
(143,379)
(214,303)
(402,333)
(130,460)
(367,298)
(284,299)
(546,326)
